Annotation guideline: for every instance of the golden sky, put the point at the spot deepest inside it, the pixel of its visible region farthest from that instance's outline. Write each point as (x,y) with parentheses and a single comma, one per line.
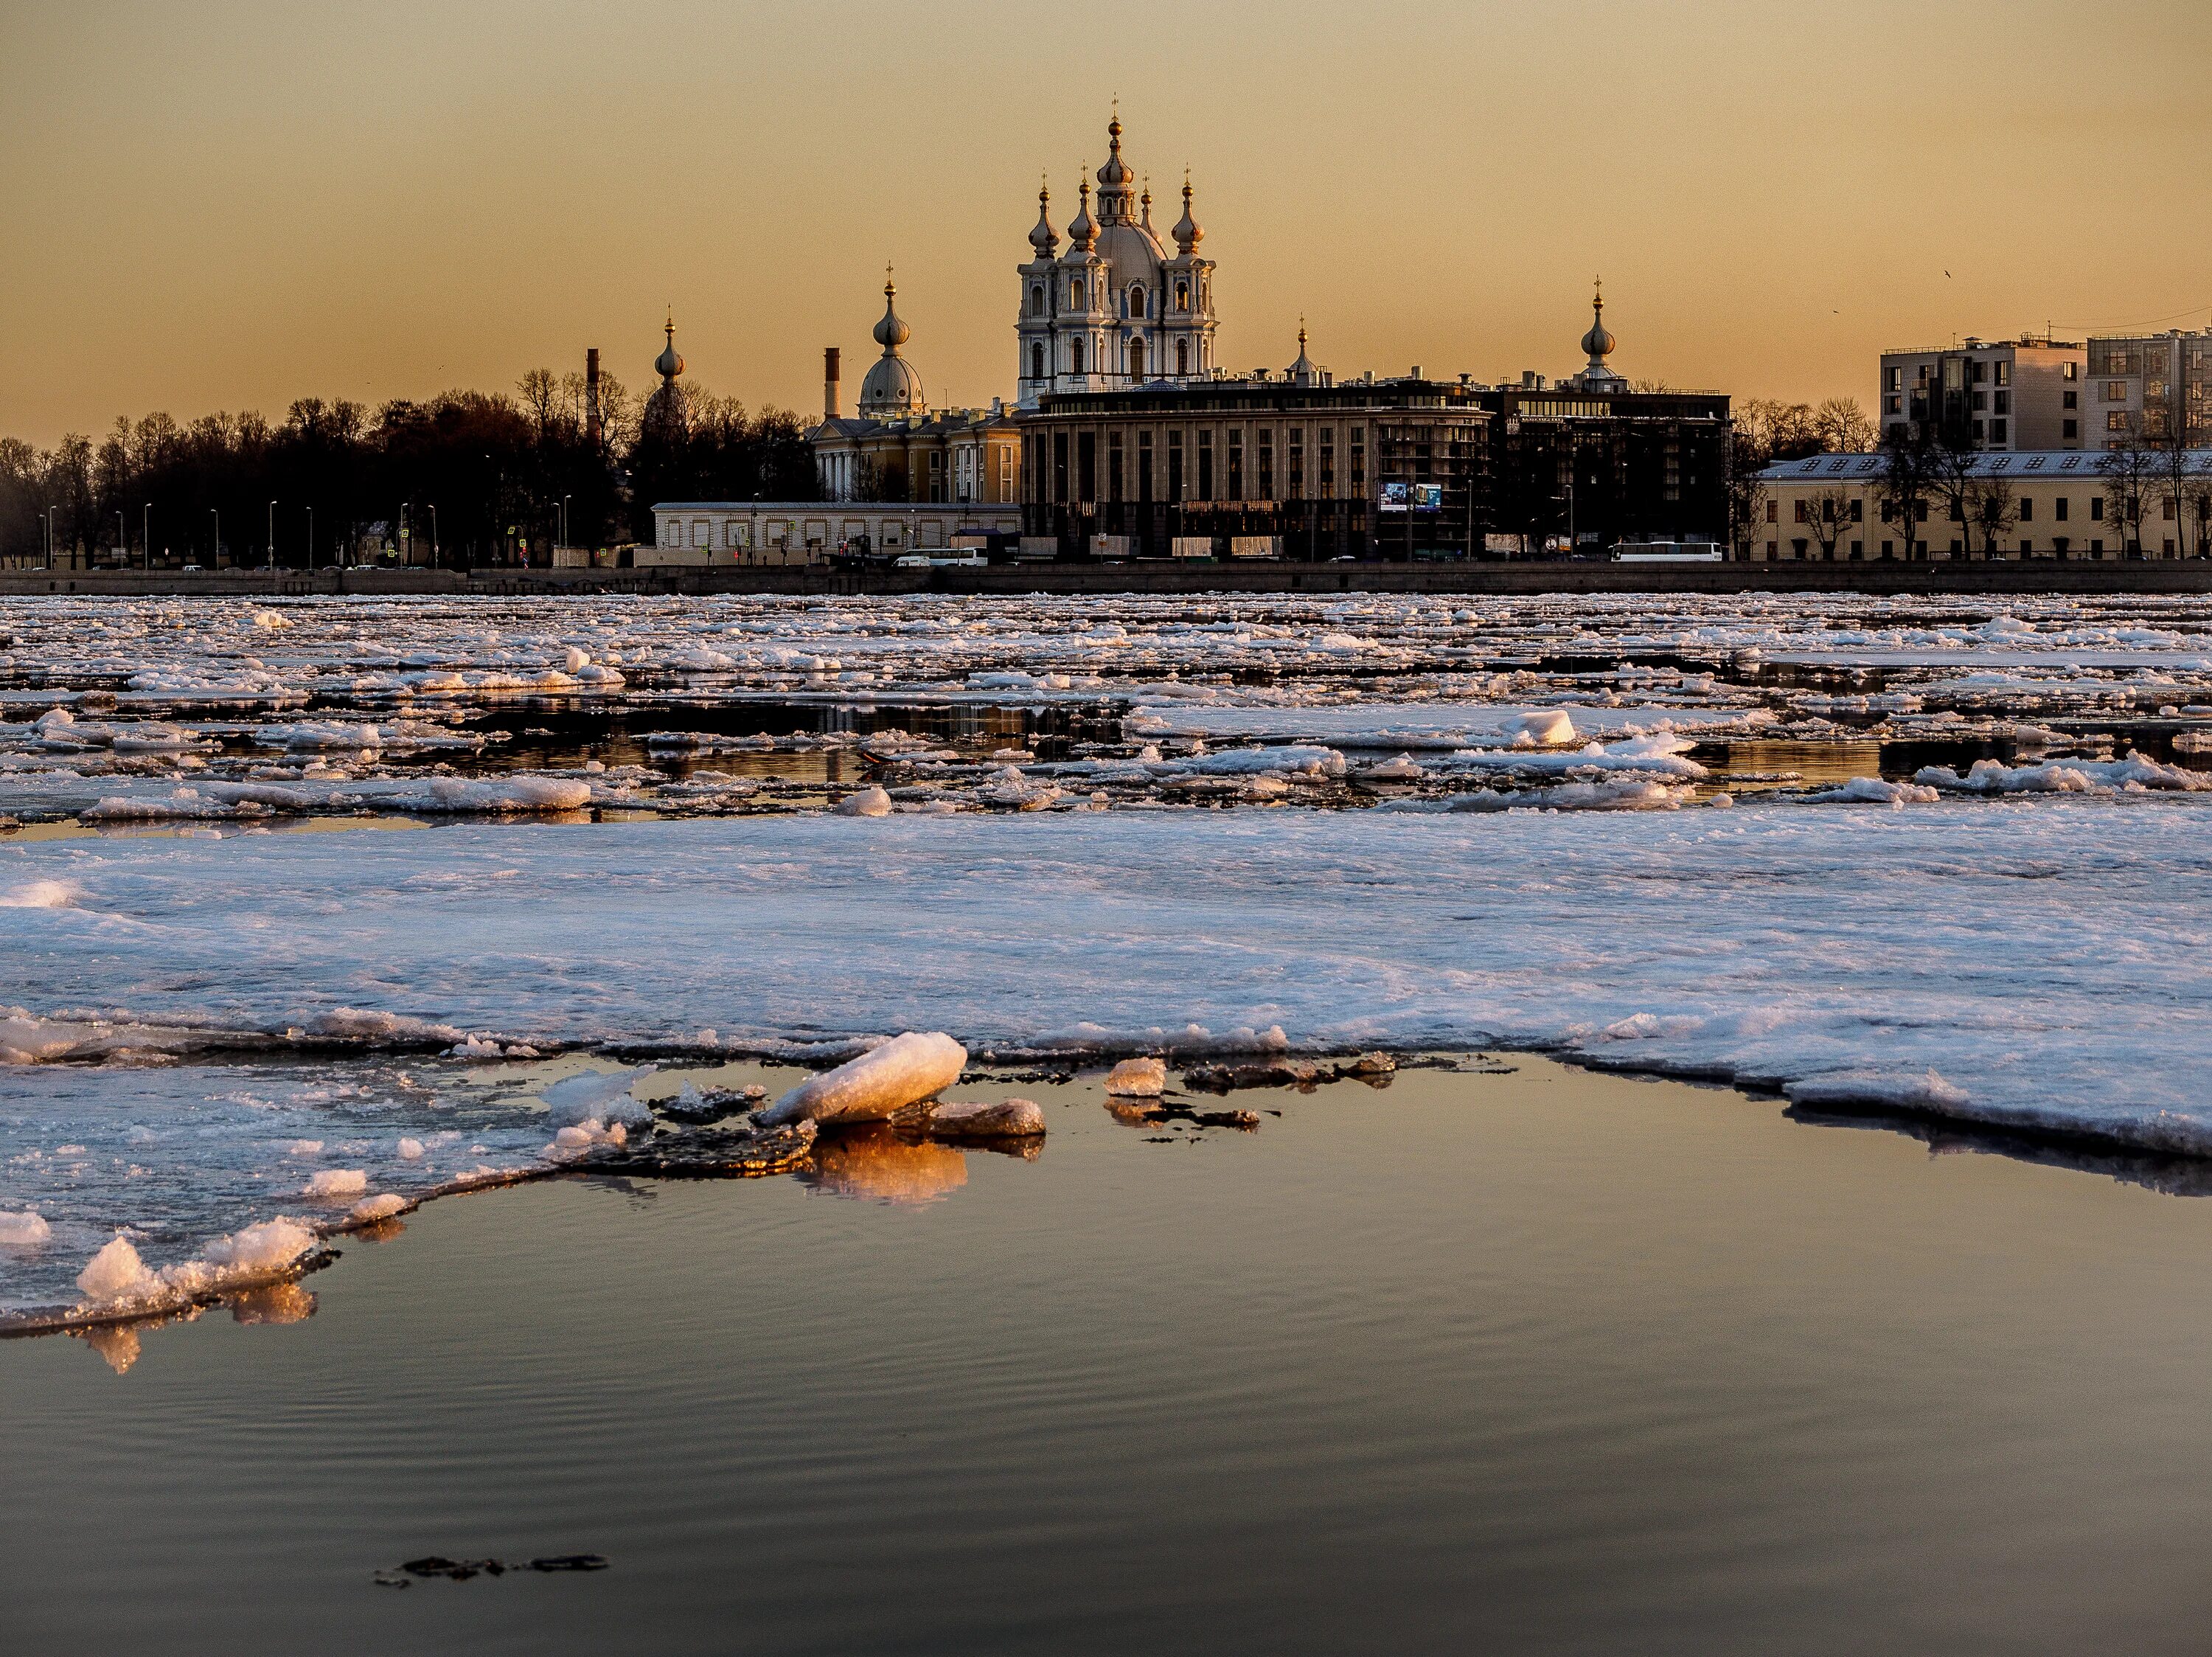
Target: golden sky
(217,203)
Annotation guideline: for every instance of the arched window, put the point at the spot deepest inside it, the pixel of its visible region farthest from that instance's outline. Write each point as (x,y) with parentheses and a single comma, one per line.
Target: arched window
(1075,356)
(1182,295)
(1036,362)
(1182,357)
(1075,294)
(1036,299)
(1137,300)
(1136,359)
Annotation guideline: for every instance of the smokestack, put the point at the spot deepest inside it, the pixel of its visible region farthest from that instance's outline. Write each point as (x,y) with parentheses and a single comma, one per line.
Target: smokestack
(830,410)
(591,396)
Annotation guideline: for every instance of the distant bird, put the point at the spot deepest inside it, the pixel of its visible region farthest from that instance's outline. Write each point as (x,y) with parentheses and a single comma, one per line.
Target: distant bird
(1947,273)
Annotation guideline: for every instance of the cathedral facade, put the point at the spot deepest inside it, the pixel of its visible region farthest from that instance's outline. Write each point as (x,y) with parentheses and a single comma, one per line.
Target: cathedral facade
(1115,310)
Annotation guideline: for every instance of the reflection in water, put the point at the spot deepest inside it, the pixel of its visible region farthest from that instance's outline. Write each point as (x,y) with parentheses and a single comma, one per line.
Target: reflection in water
(2175,1176)
(875,1161)
(116,1343)
(273,1303)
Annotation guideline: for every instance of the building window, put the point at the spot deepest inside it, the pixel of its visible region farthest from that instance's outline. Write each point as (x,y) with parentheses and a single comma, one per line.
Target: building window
(2072,371)
(1075,356)
(1060,466)
(1205,465)
(1892,405)
(1977,431)
(1036,362)
(1137,300)
(2027,508)
(1236,463)
(2061,508)
(2004,373)
(1858,510)
(1036,299)
(1773,510)
(2070,428)
(1981,371)
(1997,431)
(2004,403)
(2096,508)
(1086,466)
(1267,463)
(2116,391)
(1182,295)
(1298,490)
(672,533)
(1328,463)
(1007,474)
(1175,465)
(1112,465)
(2116,420)
(699,535)
(1981,400)
(1144,466)
(1136,359)
(730,532)
(1892,379)
(1803,510)
(1075,294)
(2070,399)
(1359,460)
(1182,358)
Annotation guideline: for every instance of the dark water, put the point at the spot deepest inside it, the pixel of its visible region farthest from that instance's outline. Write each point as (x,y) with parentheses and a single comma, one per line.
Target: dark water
(1542,1362)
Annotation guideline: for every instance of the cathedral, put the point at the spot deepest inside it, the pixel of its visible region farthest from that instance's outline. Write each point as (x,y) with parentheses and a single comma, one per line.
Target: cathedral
(1115,310)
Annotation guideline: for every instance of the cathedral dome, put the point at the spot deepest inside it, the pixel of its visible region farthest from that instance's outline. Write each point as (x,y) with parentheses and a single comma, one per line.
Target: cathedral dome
(1043,238)
(892,332)
(892,388)
(1115,174)
(668,364)
(1598,342)
(1082,230)
(1187,233)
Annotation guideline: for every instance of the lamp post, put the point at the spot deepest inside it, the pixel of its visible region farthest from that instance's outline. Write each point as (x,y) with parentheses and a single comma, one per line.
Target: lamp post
(406,551)
(122,542)
(272,544)
(146,537)
(565,499)
(215,559)
(433,534)
(311,540)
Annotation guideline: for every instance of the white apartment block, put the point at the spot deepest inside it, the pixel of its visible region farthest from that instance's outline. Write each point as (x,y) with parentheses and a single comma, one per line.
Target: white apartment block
(2004,396)
(2150,388)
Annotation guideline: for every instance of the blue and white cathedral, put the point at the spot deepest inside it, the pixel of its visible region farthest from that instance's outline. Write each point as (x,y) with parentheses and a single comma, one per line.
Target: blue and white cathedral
(1115,310)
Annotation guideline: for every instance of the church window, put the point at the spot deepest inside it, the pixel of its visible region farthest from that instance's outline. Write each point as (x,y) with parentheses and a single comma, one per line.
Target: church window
(1182,356)
(1113,466)
(1075,356)
(1236,463)
(1137,300)
(1036,299)
(1205,466)
(1182,295)
(1136,359)
(1075,293)
(1036,362)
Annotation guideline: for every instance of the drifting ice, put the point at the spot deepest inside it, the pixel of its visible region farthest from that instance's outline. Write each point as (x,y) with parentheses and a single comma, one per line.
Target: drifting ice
(904,1070)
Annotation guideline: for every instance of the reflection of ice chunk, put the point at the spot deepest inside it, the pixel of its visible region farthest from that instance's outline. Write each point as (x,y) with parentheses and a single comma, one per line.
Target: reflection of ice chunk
(27,1229)
(1926,1092)
(904,1070)
(1142,1077)
(874,1162)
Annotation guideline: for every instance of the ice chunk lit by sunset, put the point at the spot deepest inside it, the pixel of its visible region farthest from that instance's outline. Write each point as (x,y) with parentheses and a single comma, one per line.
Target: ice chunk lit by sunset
(904,1070)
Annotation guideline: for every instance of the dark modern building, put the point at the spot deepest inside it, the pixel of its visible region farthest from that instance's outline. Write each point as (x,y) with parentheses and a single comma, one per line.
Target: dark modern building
(1297,465)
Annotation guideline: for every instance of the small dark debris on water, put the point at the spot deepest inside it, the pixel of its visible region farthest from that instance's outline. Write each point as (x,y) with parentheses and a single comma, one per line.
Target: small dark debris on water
(460,1570)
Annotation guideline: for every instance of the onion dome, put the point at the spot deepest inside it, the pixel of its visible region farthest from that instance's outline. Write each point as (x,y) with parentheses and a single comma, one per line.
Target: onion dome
(1082,232)
(1146,200)
(1187,233)
(890,333)
(1115,174)
(1597,344)
(668,364)
(1044,239)
(1303,372)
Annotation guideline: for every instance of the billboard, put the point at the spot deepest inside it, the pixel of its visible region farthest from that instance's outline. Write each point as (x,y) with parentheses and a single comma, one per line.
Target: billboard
(1410,498)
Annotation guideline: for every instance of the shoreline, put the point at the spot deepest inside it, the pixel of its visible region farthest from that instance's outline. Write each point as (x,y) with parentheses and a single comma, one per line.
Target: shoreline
(2078,1150)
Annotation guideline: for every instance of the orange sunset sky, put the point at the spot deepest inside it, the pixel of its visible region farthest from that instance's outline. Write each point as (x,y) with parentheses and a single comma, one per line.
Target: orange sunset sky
(230,205)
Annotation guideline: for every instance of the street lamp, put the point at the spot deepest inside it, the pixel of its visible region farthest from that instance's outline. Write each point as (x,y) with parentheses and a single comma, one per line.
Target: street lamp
(311,540)
(565,499)
(122,541)
(272,544)
(433,534)
(215,559)
(406,551)
(146,537)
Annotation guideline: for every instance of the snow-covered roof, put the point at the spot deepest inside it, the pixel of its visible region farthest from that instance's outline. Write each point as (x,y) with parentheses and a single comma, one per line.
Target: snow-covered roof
(2026,464)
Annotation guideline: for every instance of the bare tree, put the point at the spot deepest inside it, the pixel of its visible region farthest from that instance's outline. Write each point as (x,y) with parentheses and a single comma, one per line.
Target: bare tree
(1829,516)
(1992,508)
(1907,482)
(1953,462)
(1842,427)
(2130,473)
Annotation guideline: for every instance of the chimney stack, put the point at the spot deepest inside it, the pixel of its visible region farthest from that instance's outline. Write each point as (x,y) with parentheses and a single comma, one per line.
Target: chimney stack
(830,410)
(592,397)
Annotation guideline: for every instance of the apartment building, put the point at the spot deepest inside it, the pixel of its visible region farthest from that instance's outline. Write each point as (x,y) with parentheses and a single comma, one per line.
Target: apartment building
(2150,388)
(2004,396)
